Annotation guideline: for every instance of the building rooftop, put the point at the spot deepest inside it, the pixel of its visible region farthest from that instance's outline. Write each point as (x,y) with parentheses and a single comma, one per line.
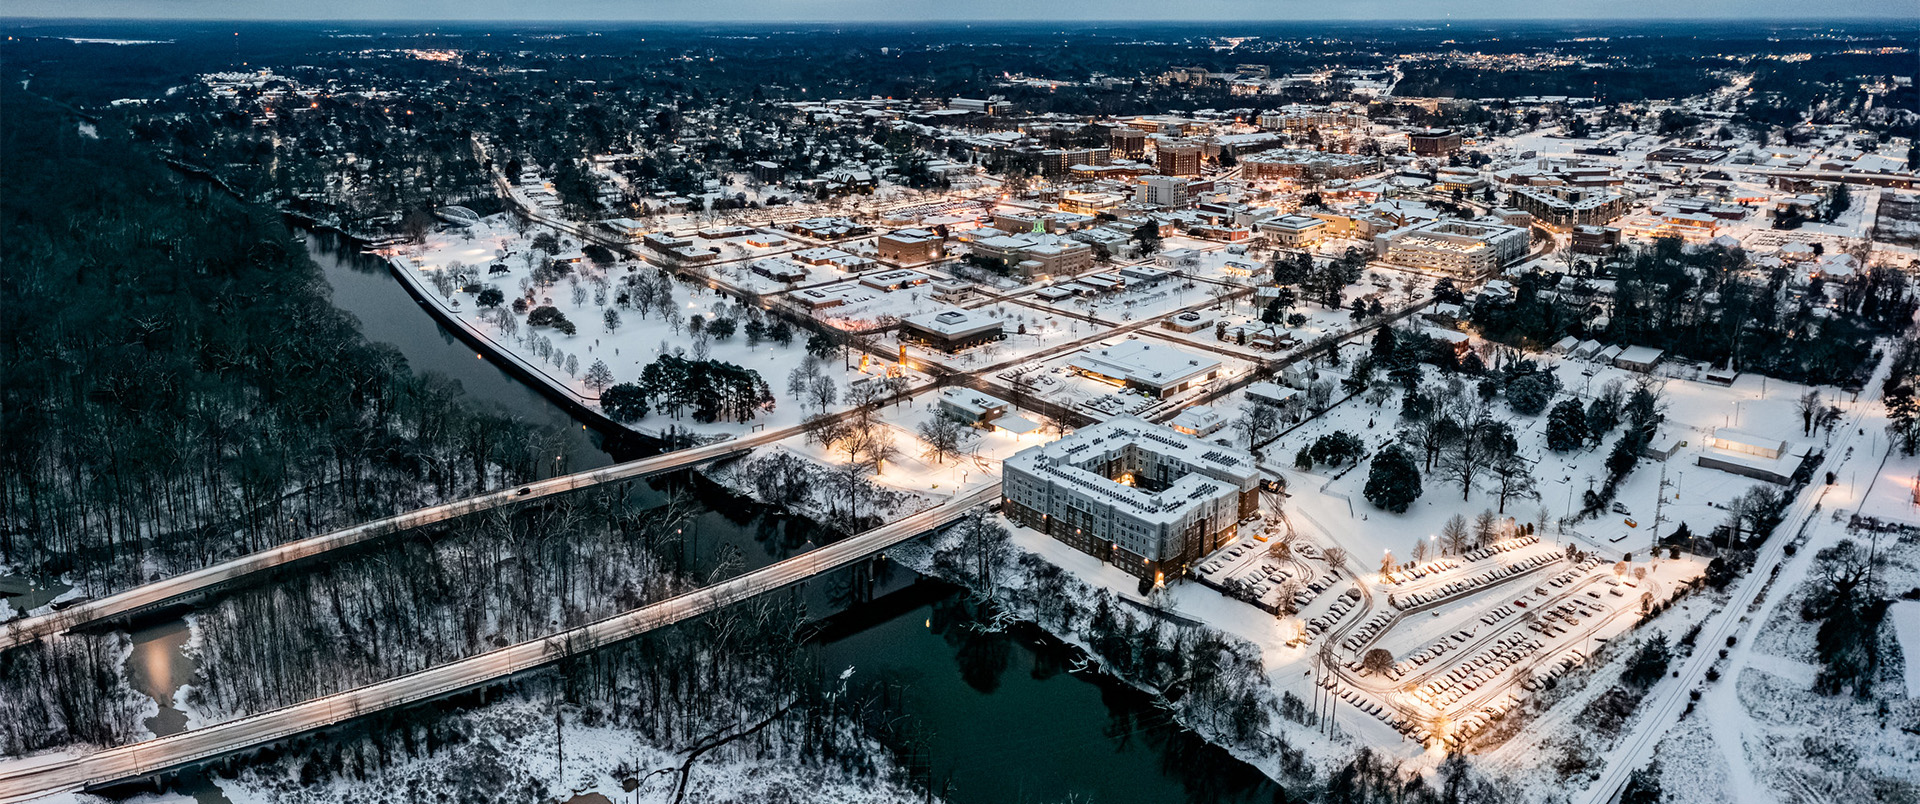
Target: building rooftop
(1143,362)
(952,322)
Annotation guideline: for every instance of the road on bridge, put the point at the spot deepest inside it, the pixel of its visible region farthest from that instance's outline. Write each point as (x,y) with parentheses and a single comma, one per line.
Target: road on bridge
(40,776)
(186,585)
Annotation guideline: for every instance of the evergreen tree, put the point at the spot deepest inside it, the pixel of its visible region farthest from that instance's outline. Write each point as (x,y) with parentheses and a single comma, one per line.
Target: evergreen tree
(1567,427)
(1393,482)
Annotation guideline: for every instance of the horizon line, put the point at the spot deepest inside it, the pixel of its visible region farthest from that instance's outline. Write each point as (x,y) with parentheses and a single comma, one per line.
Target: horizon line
(1914,17)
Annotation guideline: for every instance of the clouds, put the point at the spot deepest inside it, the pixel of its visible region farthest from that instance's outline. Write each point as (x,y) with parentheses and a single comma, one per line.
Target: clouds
(1065,11)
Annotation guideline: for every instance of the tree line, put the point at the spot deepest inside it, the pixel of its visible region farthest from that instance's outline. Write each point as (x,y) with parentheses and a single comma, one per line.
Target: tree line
(179,389)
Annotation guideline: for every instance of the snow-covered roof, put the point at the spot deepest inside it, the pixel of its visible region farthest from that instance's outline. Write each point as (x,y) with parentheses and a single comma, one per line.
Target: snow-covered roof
(1146,363)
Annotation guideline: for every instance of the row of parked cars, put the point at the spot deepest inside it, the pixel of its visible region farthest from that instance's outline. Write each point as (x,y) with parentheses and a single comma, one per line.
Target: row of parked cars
(1447,643)
(1318,625)
(1418,571)
(1444,563)
(1573,658)
(1478,720)
(1565,616)
(1479,669)
(1365,633)
(1573,573)
(1407,600)
(1378,710)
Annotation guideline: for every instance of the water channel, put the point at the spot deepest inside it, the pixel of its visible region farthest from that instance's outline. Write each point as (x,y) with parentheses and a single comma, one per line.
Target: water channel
(1001,719)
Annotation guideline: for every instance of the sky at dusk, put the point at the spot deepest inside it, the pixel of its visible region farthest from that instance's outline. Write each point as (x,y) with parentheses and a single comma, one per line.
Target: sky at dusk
(947,10)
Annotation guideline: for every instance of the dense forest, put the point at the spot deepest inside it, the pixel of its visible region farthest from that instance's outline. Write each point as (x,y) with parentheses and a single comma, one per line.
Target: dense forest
(179,388)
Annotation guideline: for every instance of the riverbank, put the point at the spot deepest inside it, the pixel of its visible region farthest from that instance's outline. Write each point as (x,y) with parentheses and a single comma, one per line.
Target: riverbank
(1134,641)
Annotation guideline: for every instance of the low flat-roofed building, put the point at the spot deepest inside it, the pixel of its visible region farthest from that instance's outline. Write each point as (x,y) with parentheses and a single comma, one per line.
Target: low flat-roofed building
(952,290)
(627,229)
(1051,255)
(971,407)
(779,269)
(1638,358)
(950,330)
(822,256)
(1198,421)
(1751,455)
(1149,500)
(1157,369)
(818,298)
(895,280)
(1190,321)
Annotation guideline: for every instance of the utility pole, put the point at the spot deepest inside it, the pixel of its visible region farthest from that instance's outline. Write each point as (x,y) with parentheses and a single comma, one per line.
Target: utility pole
(1660,506)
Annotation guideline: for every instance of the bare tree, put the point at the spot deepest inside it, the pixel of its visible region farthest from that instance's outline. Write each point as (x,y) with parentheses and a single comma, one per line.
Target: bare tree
(1513,476)
(823,390)
(1809,407)
(1454,535)
(1257,420)
(942,436)
(1485,526)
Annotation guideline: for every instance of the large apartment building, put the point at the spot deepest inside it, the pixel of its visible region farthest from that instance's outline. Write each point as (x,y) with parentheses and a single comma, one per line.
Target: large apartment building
(1450,245)
(1566,207)
(1143,497)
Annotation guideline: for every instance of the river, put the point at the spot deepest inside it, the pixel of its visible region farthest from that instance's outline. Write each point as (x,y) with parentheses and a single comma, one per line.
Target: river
(1001,720)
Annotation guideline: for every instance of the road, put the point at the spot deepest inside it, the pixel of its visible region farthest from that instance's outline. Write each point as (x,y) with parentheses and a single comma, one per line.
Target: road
(1664,705)
(40,776)
(179,587)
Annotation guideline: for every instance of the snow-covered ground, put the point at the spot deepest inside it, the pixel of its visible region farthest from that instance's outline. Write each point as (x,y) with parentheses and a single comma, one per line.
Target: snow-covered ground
(509,755)
(584,296)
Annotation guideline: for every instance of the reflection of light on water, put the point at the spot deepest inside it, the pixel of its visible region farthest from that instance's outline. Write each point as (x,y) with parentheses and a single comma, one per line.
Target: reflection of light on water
(158,665)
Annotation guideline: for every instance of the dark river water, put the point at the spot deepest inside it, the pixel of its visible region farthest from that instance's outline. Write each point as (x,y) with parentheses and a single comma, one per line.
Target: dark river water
(999,718)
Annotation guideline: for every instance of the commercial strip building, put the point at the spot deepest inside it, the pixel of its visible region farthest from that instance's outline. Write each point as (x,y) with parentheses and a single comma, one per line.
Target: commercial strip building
(1140,496)
(1449,245)
(1742,453)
